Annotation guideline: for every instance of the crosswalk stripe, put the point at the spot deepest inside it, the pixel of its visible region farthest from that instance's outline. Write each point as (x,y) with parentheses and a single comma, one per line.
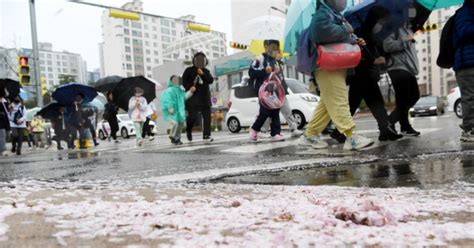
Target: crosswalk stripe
(258,147)
(193,148)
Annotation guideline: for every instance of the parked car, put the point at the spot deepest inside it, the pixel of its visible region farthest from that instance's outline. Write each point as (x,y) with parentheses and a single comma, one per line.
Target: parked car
(428,105)
(454,101)
(126,127)
(243,105)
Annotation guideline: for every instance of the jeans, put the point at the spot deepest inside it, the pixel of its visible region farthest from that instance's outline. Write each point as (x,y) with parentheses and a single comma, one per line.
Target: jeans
(407,94)
(263,115)
(17,139)
(3,140)
(466,86)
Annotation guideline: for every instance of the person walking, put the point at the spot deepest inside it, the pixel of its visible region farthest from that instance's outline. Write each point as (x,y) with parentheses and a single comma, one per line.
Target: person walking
(138,110)
(38,130)
(402,68)
(199,77)
(76,123)
(463,42)
(331,27)
(4,123)
(172,104)
(59,126)
(110,115)
(17,124)
(90,122)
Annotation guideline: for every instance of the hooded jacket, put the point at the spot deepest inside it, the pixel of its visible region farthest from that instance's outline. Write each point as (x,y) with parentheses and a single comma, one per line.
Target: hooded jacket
(464,37)
(174,97)
(402,52)
(202,95)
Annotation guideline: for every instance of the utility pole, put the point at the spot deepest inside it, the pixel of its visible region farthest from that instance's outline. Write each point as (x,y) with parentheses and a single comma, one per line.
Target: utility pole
(34,39)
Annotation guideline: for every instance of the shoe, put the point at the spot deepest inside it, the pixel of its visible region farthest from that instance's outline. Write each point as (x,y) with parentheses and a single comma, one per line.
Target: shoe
(296,133)
(140,143)
(278,137)
(208,139)
(18,153)
(13,150)
(189,136)
(467,137)
(411,132)
(5,154)
(339,137)
(177,142)
(315,142)
(389,134)
(263,135)
(96,143)
(151,138)
(357,142)
(109,138)
(60,148)
(117,141)
(172,140)
(253,134)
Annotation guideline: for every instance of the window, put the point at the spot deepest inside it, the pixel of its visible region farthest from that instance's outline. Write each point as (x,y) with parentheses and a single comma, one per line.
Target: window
(126,31)
(173,32)
(128,57)
(129,74)
(165,39)
(156,53)
(127,49)
(424,50)
(155,36)
(148,60)
(49,56)
(173,25)
(50,82)
(129,67)
(57,56)
(41,55)
(157,61)
(164,46)
(42,68)
(215,55)
(65,70)
(136,33)
(64,64)
(147,43)
(146,26)
(136,25)
(59,70)
(153,19)
(145,18)
(50,62)
(154,28)
(148,68)
(127,40)
(424,59)
(149,76)
(155,44)
(165,22)
(424,69)
(165,31)
(137,42)
(147,35)
(244,92)
(58,63)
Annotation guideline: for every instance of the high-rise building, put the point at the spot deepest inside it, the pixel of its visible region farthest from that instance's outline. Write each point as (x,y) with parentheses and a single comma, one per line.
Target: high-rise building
(132,48)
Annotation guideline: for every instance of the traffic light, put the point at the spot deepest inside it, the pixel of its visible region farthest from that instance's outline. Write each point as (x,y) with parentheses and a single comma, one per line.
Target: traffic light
(44,89)
(429,28)
(24,70)
(236,45)
(199,27)
(122,14)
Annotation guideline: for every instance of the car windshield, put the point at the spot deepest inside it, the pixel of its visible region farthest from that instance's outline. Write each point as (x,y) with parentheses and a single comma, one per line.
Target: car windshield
(427,100)
(123,117)
(297,87)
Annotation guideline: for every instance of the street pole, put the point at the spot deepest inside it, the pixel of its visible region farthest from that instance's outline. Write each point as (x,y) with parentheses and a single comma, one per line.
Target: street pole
(34,39)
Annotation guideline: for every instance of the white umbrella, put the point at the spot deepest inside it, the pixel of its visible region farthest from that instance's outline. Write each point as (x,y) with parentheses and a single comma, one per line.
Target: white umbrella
(262,28)
(191,41)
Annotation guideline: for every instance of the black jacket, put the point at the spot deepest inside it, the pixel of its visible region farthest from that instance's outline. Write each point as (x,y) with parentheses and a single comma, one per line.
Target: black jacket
(258,74)
(112,110)
(4,121)
(202,95)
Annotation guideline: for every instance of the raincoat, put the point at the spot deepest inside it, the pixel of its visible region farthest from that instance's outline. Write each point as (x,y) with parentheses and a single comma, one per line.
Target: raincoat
(174,97)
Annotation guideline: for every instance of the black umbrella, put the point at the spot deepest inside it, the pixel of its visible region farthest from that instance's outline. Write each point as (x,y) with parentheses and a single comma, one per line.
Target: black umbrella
(12,86)
(126,89)
(422,15)
(107,83)
(50,111)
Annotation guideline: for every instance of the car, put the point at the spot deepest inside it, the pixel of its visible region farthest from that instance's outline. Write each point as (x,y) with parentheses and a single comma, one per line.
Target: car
(428,105)
(126,127)
(243,105)
(454,101)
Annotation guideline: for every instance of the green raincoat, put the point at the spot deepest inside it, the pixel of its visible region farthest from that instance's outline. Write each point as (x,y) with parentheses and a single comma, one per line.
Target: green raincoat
(174,97)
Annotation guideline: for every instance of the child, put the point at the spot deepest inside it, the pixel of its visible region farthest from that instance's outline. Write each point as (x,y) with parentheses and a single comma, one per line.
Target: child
(38,129)
(137,110)
(172,104)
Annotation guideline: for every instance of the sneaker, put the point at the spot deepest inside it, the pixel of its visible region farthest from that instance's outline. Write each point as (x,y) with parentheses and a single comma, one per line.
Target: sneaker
(5,154)
(296,133)
(389,134)
(263,135)
(208,139)
(117,141)
(278,137)
(339,137)
(411,132)
(177,142)
(253,134)
(315,142)
(467,137)
(151,138)
(189,136)
(357,142)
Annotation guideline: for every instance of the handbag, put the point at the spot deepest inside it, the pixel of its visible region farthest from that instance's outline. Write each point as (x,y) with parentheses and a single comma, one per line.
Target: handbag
(272,94)
(338,56)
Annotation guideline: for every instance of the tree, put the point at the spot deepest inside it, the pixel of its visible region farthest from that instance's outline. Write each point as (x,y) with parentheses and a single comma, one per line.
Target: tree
(65,79)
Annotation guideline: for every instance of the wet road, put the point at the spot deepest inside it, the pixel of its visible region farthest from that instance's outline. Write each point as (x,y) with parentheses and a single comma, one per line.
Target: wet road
(234,155)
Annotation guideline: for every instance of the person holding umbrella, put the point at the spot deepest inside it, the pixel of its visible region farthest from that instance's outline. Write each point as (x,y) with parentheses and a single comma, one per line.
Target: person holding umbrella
(110,115)
(18,124)
(59,125)
(76,123)
(4,122)
(138,110)
(199,77)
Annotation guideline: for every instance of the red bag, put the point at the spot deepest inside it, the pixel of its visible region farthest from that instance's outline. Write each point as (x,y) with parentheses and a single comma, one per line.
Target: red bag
(338,56)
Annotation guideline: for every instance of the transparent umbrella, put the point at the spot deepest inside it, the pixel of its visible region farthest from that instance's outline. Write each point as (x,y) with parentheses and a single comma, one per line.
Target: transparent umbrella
(190,41)
(263,28)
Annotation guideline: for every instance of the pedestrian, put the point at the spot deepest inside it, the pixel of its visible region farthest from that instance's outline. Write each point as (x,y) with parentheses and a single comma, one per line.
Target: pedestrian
(59,126)
(364,82)
(76,123)
(38,130)
(258,72)
(147,131)
(17,124)
(330,27)
(4,123)
(402,69)
(29,135)
(173,105)
(138,110)
(90,120)
(110,115)
(199,77)
(464,65)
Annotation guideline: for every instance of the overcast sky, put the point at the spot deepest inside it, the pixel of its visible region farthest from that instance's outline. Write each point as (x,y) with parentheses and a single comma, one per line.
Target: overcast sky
(76,28)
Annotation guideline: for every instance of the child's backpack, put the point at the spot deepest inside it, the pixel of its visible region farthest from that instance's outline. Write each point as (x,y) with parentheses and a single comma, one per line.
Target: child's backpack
(272,94)
(446,45)
(306,53)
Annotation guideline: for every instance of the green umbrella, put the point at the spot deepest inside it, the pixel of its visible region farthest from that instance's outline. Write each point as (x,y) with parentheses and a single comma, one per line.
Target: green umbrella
(30,113)
(439,4)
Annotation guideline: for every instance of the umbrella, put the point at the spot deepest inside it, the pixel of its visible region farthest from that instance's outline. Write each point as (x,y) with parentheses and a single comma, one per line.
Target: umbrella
(439,4)
(191,41)
(24,94)
(126,89)
(101,97)
(12,86)
(66,94)
(30,113)
(96,104)
(398,14)
(107,83)
(298,18)
(50,111)
(262,28)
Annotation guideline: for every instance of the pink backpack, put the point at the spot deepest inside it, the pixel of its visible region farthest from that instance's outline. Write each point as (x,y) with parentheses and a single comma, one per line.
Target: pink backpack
(272,94)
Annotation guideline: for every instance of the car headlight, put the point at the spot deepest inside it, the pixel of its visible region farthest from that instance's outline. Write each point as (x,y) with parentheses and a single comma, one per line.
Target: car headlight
(412,110)
(309,98)
(433,108)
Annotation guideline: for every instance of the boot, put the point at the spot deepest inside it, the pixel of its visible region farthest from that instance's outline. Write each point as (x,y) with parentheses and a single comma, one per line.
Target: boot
(389,133)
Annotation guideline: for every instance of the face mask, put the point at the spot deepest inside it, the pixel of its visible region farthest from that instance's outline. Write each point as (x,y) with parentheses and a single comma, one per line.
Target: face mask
(377,28)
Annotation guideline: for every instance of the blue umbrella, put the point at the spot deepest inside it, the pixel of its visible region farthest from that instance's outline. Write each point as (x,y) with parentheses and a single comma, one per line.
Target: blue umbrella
(24,94)
(398,14)
(66,94)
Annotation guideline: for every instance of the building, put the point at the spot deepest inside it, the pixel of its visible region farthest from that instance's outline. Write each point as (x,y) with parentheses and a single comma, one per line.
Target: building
(9,63)
(432,79)
(93,76)
(132,48)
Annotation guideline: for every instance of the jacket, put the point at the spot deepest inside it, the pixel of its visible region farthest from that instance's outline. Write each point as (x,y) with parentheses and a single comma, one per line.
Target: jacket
(4,115)
(138,112)
(402,53)
(463,38)
(202,95)
(22,120)
(258,73)
(328,26)
(112,110)
(76,116)
(38,125)
(174,97)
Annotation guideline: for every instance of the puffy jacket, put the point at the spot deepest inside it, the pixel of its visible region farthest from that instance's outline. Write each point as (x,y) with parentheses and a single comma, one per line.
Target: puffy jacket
(37,125)
(464,37)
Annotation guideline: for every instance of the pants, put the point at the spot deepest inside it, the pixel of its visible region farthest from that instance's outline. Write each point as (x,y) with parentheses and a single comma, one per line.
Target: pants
(17,138)
(176,128)
(193,116)
(30,139)
(114,127)
(73,136)
(333,104)
(368,89)
(60,135)
(407,94)
(263,115)
(3,140)
(147,129)
(286,111)
(138,130)
(40,137)
(91,128)
(465,80)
